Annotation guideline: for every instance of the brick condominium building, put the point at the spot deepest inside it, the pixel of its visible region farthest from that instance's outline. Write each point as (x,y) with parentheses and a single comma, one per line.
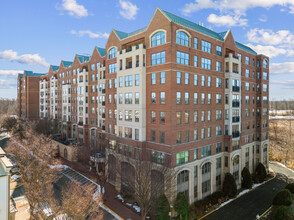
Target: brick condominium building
(174,91)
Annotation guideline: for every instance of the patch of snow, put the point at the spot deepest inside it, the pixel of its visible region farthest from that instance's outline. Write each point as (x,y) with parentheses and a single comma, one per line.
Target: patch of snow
(58,166)
(120,197)
(15,177)
(96,195)
(61,217)
(148,217)
(110,212)
(137,208)
(129,204)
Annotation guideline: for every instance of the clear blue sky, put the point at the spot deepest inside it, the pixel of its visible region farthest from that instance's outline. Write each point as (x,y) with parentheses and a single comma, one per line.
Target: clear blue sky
(34,34)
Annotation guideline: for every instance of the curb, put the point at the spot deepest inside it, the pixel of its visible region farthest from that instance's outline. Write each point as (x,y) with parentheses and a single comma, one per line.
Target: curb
(265,212)
(275,175)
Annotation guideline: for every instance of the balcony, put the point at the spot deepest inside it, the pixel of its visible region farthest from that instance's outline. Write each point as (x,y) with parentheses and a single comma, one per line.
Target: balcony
(103,103)
(80,123)
(236,119)
(103,115)
(236,104)
(235,134)
(236,88)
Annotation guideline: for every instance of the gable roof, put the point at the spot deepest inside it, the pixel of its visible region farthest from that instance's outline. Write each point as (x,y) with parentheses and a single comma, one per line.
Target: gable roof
(66,64)
(123,35)
(54,68)
(189,24)
(83,58)
(101,51)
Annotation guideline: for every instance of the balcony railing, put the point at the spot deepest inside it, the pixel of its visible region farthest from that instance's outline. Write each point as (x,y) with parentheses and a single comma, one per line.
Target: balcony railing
(103,115)
(103,103)
(236,119)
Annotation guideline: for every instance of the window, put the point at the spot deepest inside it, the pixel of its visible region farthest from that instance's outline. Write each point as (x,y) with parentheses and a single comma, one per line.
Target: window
(218,66)
(128,81)
(153,98)
(157,157)
(205,63)
(120,81)
(153,117)
(202,116)
(158,58)
(128,115)
(195,157)
(218,115)
(115,83)
(128,132)
(209,98)
(218,130)
(209,81)
(120,97)
(206,47)
(247,73)
(186,98)
(162,97)
(186,78)
(202,98)
(179,137)
(112,68)
(158,38)
(205,151)
(109,98)
(182,58)
(218,147)
(136,138)
(264,76)
(195,79)
(137,98)
(202,133)
(265,63)
(247,61)
(264,87)
(218,50)
(137,80)
(218,99)
(209,132)
(153,136)
(195,135)
(195,61)
(247,86)
(195,43)
(112,53)
(109,84)
(258,75)
(247,99)
(162,117)
(195,116)
(195,98)
(202,80)
(186,117)
(182,157)
(179,97)
(179,118)
(162,78)
(182,38)
(209,115)
(153,78)
(162,137)
(179,77)
(218,82)
(186,136)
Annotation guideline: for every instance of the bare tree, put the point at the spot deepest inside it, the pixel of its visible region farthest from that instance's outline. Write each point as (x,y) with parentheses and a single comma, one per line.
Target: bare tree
(144,181)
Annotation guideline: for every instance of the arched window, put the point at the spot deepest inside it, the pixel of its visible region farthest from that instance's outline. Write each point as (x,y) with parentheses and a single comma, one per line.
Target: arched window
(158,38)
(183,183)
(112,53)
(265,63)
(182,38)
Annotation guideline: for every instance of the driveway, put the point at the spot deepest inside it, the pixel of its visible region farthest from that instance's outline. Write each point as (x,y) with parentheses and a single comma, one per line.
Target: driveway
(256,201)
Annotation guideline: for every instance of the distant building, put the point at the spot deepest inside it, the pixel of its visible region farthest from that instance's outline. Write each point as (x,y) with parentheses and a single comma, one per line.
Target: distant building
(5,166)
(173,91)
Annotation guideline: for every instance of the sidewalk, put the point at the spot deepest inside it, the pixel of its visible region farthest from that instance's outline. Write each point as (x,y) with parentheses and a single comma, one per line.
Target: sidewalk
(110,193)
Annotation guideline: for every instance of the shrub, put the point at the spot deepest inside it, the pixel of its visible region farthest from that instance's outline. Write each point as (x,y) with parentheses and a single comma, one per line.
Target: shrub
(246,178)
(229,185)
(162,208)
(290,187)
(282,213)
(181,206)
(283,197)
(260,173)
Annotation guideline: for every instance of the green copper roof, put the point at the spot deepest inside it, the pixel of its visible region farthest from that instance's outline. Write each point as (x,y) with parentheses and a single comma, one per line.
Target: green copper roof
(243,47)
(66,64)
(54,68)
(123,35)
(20,75)
(223,34)
(83,58)
(101,51)
(30,73)
(192,25)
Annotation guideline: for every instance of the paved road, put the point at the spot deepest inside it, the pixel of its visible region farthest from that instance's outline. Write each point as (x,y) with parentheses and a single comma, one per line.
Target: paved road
(255,202)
